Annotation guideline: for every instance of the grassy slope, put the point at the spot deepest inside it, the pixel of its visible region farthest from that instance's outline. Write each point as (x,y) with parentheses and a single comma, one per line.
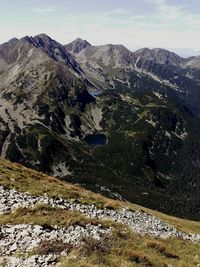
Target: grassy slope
(124,248)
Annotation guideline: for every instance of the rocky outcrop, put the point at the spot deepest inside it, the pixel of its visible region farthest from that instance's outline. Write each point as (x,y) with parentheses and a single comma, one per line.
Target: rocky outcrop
(32,261)
(25,238)
(140,222)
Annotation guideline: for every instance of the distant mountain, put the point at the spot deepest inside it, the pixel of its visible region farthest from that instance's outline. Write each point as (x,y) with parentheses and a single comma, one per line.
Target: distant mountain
(77,46)
(160,56)
(114,66)
(193,62)
(170,60)
(119,122)
(113,56)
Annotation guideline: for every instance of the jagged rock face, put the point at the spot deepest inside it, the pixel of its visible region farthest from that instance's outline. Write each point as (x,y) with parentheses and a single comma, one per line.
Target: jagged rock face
(109,55)
(103,65)
(19,51)
(182,68)
(42,94)
(148,122)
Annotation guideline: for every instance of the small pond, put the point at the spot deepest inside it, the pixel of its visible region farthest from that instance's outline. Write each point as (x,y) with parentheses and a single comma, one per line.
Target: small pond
(95,139)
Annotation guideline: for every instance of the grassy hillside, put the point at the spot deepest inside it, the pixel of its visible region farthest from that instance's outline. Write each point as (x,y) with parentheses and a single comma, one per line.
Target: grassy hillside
(124,248)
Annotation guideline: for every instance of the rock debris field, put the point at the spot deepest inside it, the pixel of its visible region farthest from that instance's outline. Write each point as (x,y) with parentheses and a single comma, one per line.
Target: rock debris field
(25,237)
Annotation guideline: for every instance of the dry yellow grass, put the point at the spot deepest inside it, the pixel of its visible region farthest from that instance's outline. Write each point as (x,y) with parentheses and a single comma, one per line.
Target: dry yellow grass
(123,249)
(134,250)
(13,175)
(47,216)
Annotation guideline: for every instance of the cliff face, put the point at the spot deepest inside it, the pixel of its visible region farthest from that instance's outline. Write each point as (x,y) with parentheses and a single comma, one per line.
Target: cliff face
(43,96)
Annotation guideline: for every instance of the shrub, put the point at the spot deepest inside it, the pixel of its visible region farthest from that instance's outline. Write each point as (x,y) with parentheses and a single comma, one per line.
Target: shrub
(55,246)
(93,246)
(160,247)
(139,258)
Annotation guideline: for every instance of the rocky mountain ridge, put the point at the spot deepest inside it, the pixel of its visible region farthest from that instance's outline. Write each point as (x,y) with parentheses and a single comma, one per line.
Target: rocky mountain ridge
(158,55)
(114,66)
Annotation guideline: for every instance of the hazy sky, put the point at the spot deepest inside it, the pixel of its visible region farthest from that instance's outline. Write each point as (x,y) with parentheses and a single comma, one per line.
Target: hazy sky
(170,24)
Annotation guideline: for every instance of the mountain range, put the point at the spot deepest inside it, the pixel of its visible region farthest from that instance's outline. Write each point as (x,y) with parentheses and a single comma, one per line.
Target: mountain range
(122,123)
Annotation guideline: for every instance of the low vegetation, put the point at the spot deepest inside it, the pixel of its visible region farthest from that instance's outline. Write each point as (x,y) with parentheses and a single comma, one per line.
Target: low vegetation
(55,246)
(123,248)
(26,180)
(160,247)
(48,216)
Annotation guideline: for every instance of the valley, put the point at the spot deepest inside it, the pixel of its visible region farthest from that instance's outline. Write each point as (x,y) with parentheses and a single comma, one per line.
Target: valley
(121,123)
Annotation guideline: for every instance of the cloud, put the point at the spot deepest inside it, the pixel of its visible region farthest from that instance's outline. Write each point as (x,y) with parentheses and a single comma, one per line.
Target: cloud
(165,11)
(176,16)
(44,10)
(168,26)
(172,26)
(117,11)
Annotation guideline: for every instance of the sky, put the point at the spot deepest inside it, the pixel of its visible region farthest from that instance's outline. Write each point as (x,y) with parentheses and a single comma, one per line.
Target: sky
(169,24)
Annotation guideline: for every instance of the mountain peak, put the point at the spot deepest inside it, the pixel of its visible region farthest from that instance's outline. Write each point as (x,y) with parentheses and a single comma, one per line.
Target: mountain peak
(80,40)
(42,36)
(114,55)
(159,55)
(14,39)
(44,39)
(76,46)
